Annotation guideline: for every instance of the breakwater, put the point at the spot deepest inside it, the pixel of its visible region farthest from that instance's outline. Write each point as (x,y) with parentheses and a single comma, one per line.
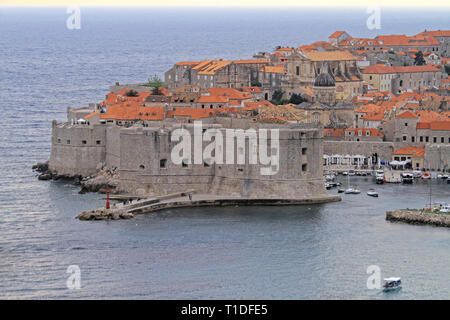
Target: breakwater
(184,200)
(419,217)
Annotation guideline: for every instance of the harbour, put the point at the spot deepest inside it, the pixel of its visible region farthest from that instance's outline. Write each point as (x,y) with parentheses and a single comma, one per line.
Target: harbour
(308,251)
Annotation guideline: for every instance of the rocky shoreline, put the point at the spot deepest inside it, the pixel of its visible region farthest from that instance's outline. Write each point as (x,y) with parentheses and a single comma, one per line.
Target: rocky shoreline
(104,179)
(419,217)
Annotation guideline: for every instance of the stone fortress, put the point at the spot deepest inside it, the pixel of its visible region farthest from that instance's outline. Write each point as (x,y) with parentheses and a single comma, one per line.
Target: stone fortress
(141,154)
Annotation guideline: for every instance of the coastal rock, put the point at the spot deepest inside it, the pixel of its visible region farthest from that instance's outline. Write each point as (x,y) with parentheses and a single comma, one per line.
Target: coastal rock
(41,167)
(104,214)
(45,176)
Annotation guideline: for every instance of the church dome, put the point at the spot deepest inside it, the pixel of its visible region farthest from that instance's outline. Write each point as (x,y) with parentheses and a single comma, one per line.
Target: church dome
(324,80)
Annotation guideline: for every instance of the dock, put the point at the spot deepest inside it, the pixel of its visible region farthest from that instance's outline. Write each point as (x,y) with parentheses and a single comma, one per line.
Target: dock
(421,217)
(191,199)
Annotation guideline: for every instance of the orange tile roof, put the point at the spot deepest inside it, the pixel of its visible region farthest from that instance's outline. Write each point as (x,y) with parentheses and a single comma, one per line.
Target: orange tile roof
(426,115)
(330,56)
(192,113)
(382,69)
(417,152)
(333,132)
(440,125)
(213,99)
(231,93)
(368,108)
(423,125)
(91,115)
(273,69)
(119,112)
(407,115)
(187,63)
(374,116)
(403,40)
(336,34)
(437,33)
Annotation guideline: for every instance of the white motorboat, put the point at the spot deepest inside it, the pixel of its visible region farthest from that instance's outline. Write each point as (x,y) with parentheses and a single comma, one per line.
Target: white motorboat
(352,190)
(445,208)
(379,176)
(345,173)
(372,193)
(407,177)
(392,284)
(351,172)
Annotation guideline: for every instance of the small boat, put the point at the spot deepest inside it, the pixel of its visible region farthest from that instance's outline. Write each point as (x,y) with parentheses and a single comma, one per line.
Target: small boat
(352,190)
(341,190)
(426,176)
(332,184)
(445,208)
(327,186)
(407,177)
(379,177)
(351,172)
(392,284)
(345,173)
(417,173)
(372,193)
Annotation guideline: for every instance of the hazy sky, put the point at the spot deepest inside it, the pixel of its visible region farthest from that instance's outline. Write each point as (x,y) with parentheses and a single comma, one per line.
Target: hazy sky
(334,3)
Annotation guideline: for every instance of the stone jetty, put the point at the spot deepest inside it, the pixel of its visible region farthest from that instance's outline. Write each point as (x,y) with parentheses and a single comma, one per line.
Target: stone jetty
(188,199)
(419,217)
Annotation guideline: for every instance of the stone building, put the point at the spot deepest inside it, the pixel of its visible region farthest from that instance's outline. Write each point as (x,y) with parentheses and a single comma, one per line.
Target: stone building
(443,36)
(303,68)
(402,79)
(215,73)
(143,157)
(324,111)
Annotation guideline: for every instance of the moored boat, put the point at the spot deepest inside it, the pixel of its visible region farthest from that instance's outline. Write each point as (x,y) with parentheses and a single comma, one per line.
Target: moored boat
(392,284)
(407,177)
(379,177)
(372,193)
(352,190)
(426,176)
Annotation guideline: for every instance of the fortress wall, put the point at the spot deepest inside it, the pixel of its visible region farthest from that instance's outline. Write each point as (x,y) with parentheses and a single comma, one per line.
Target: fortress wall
(437,157)
(141,150)
(112,156)
(367,148)
(291,180)
(70,156)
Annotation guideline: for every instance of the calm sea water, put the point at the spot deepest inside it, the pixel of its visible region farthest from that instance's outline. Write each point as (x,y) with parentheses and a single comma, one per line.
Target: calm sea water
(258,252)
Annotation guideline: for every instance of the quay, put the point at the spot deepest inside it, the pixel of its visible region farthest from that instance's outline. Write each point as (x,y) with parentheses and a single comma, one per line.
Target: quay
(420,217)
(191,199)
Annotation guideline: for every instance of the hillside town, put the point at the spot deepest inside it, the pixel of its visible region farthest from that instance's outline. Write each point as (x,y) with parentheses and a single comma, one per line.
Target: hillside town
(352,103)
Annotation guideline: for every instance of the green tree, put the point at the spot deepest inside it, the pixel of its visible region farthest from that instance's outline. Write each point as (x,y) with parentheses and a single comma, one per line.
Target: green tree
(132,93)
(296,99)
(255,83)
(447,68)
(276,96)
(419,59)
(155,82)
